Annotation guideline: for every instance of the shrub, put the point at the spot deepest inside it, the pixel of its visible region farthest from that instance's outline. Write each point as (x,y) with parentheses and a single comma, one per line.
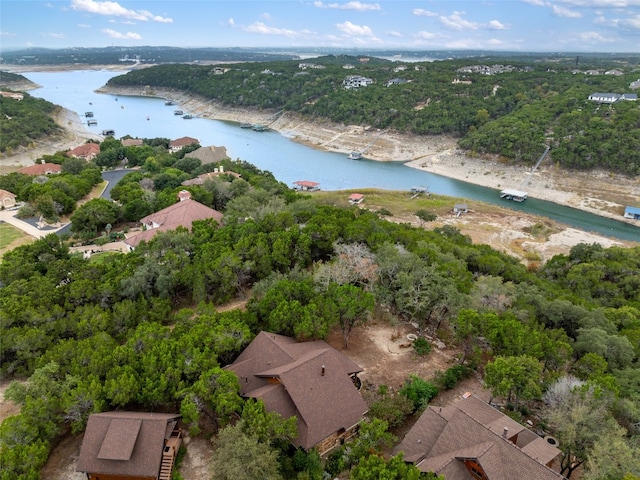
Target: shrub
(452,376)
(422,346)
(385,212)
(419,391)
(392,408)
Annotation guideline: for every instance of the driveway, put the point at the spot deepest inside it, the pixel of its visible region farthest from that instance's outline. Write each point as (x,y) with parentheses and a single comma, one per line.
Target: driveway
(8,216)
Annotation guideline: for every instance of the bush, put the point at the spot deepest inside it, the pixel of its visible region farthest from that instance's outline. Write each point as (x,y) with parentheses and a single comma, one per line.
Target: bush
(419,391)
(392,408)
(422,346)
(452,376)
(385,212)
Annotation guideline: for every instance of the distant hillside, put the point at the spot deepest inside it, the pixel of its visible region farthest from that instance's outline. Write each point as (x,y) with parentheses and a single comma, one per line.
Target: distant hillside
(507,109)
(15,82)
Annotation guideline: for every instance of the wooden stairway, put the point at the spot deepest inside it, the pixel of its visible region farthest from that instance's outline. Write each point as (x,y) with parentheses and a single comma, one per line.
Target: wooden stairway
(166,467)
(169,455)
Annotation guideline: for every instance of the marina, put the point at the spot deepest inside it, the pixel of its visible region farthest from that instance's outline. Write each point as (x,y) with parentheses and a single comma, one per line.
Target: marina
(515,195)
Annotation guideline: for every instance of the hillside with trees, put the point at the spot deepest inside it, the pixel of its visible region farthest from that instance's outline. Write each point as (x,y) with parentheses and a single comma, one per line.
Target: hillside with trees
(140,331)
(23,122)
(512,112)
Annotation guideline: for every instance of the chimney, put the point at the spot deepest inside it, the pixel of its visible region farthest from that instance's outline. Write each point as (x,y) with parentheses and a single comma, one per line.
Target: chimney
(184,195)
(505,432)
(323,370)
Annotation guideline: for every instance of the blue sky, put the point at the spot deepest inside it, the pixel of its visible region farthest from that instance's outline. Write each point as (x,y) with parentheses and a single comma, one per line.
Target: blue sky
(513,25)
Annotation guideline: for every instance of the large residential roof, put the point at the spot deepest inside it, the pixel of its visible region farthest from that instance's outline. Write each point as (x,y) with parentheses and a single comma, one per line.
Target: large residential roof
(86,150)
(183,142)
(210,154)
(443,439)
(125,443)
(181,214)
(41,169)
(310,380)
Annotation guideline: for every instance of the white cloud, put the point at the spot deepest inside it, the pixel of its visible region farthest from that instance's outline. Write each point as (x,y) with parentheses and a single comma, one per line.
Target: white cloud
(231,22)
(8,34)
(564,12)
(57,36)
(353,29)
(496,25)
(114,9)
(494,42)
(349,6)
(83,25)
(122,36)
(537,3)
(456,22)
(423,35)
(265,16)
(421,12)
(594,37)
(393,33)
(263,29)
(602,3)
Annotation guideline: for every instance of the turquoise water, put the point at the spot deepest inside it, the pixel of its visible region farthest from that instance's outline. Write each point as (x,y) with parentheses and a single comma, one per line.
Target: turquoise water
(287,160)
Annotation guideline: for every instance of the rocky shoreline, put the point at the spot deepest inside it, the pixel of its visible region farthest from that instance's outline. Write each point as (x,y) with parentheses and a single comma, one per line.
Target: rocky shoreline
(598,192)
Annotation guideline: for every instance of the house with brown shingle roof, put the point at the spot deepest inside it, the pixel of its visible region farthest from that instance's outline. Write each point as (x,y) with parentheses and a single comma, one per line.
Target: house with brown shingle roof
(132,142)
(472,440)
(179,143)
(181,214)
(7,199)
(309,380)
(129,445)
(41,169)
(88,151)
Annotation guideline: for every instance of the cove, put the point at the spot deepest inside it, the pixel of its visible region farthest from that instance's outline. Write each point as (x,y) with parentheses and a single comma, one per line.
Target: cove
(288,161)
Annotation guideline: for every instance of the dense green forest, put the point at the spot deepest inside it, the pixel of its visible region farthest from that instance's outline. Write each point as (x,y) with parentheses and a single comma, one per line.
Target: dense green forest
(141,331)
(512,113)
(23,122)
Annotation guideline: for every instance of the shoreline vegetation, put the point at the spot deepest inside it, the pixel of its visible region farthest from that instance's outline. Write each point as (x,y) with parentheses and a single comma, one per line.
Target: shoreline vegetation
(597,192)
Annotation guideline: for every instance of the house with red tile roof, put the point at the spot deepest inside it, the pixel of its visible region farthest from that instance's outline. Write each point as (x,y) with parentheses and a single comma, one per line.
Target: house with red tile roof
(306,185)
(129,445)
(181,214)
(472,440)
(7,199)
(179,143)
(309,380)
(87,151)
(356,198)
(41,169)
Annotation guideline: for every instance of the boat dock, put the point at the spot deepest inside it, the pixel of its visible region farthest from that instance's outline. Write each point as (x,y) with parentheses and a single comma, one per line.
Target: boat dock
(519,195)
(515,195)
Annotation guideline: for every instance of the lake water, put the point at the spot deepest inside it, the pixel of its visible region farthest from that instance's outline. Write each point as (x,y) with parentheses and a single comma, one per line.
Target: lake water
(288,161)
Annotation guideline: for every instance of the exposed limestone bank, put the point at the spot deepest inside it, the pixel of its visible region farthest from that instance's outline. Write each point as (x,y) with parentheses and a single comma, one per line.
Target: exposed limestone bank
(600,193)
(72,135)
(23,86)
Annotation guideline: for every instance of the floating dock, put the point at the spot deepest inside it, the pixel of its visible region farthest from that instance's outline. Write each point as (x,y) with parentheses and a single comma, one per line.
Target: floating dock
(515,195)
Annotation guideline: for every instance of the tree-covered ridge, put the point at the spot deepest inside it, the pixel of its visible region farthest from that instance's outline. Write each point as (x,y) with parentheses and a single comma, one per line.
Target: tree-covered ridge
(7,78)
(23,122)
(512,114)
(141,331)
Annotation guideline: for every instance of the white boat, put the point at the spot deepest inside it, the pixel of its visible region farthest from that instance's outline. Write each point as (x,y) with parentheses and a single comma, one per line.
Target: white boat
(355,155)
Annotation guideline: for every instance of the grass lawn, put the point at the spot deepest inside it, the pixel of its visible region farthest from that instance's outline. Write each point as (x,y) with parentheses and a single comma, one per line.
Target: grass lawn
(11,237)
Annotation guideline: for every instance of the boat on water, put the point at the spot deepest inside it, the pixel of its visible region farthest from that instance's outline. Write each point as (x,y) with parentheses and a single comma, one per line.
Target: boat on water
(108,133)
(246,125)
(92,122)
(169,102)
(88,114)
(515,195)
(178,112)
(259,128)
(355,155)
(187,116)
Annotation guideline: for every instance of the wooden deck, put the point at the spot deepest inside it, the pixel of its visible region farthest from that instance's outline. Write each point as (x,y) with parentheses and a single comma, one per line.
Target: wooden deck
(169,455)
